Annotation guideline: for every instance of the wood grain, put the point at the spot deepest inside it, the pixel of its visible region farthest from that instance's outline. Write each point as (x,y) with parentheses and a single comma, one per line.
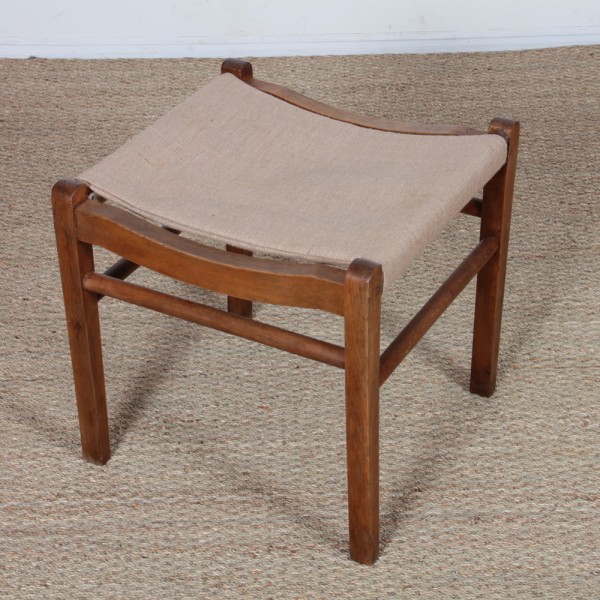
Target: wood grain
(364,283)
(239,306)
(81,306)
(242,69)
(246,277)
(339,114)
(217,319)
(495,222)
(123,268)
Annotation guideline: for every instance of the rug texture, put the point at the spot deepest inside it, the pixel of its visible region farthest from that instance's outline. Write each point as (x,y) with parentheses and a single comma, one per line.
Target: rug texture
(228,472)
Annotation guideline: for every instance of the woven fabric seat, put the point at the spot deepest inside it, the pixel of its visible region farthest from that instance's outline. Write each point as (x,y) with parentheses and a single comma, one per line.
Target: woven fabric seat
(236,165)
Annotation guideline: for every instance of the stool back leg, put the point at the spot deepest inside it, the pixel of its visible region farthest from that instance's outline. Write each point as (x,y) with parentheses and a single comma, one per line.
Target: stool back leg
(242,70)
(495,222)
(239,306)
(81,306)
(363,288)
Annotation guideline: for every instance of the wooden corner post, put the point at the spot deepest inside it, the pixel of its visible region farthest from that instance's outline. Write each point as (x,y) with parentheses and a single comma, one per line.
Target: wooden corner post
(76,260)
(242,70)
(495,222)
(363,288)
(239,306)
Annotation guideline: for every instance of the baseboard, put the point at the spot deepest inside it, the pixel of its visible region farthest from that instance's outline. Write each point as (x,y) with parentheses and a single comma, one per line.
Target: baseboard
(413,43)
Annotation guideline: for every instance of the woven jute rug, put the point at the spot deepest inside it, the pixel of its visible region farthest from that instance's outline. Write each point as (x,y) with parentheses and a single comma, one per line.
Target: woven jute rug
(228,473)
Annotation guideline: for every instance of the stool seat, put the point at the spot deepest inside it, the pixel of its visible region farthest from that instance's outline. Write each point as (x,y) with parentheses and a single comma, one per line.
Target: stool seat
(237,165)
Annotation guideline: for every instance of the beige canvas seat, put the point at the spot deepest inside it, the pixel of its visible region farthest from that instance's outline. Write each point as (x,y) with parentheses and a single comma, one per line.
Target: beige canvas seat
(262,168)
(239,166)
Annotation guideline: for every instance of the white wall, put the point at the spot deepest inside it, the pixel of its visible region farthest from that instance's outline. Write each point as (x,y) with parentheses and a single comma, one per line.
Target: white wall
(217,28)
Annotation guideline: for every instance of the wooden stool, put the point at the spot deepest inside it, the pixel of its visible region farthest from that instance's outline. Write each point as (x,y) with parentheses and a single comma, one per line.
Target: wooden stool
(259,167)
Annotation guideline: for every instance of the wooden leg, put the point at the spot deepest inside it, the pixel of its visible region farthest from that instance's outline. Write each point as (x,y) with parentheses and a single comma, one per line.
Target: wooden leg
(76,259)
(495,222)
(238,305)
(363,288)
(242,70)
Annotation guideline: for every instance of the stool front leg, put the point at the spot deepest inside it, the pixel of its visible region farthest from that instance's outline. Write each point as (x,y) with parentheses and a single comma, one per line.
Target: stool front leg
(495,222)
(363,288)
(81,306)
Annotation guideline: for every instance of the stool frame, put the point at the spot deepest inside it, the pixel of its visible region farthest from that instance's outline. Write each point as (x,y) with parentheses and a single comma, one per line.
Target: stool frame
(83,220)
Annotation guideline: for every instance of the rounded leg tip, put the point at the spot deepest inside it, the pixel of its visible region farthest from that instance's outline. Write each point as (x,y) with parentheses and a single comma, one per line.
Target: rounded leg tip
(365,558)
(96,460)
(365,552)
(482,389)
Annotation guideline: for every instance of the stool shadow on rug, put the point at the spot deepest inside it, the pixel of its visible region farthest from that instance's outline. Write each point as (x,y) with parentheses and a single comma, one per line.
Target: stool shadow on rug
(142,379)
(283,500)
(434,452)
